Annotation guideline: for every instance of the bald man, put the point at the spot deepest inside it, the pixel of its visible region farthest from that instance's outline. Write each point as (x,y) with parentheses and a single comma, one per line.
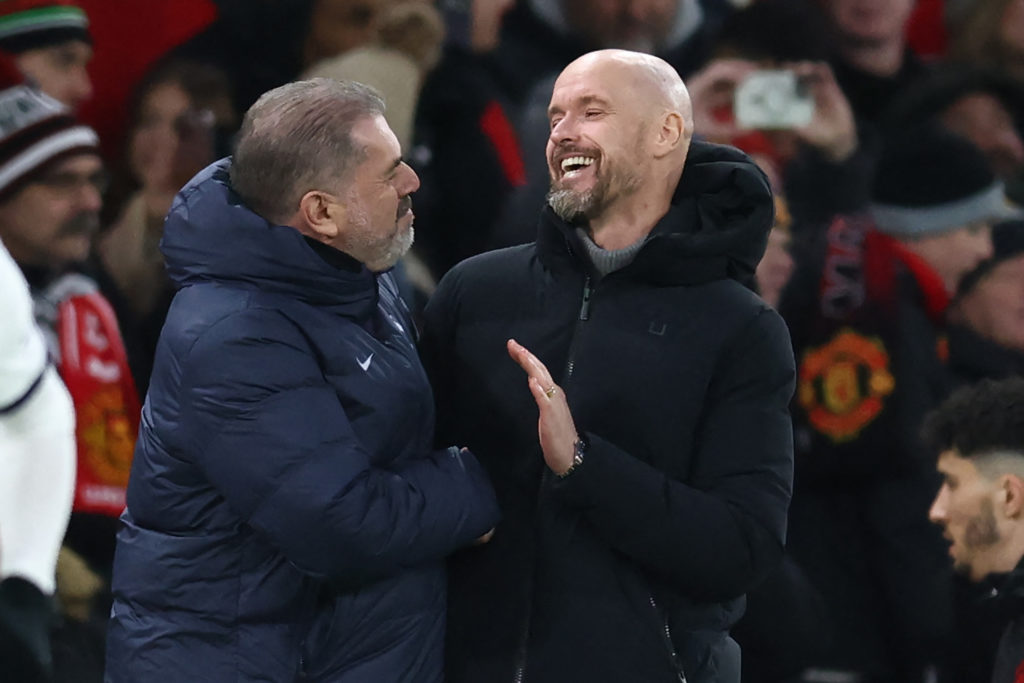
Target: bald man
(627,339)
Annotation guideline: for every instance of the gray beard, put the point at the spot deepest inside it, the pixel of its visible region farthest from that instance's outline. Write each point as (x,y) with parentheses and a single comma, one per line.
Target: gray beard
(571,206)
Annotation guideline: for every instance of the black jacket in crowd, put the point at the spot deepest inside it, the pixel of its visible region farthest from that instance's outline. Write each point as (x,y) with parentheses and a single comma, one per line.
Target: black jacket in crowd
(1008,603)
(633,567)
(871,365)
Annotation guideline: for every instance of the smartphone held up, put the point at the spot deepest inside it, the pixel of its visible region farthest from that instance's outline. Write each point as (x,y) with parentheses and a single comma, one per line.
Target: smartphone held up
(772,99)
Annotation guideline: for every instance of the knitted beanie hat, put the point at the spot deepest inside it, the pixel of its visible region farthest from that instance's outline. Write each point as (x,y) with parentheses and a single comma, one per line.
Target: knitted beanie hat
(35,130)
(929,181)
(30,24)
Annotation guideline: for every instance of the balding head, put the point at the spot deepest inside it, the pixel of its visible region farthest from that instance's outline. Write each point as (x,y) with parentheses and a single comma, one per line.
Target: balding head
(621,124)
(651,80)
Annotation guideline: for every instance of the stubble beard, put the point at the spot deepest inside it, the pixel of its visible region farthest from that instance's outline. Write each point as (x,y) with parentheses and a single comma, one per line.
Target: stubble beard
(980,533)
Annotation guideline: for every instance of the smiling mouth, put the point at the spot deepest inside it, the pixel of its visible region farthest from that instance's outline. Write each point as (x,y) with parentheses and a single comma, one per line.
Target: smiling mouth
(572,165)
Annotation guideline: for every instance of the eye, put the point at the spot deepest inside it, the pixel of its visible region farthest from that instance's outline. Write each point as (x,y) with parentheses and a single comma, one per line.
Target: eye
(593,113)
(555,121)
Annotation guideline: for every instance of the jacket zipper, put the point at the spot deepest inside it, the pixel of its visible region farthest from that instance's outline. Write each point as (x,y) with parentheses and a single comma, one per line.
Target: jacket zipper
(524,636)
(666,635)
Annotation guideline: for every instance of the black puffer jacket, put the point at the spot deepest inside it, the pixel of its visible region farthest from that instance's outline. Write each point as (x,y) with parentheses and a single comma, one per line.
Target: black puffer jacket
(634,566)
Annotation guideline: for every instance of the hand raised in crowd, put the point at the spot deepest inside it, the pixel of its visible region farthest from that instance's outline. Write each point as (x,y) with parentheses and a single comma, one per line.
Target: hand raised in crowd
(832,130)
(712,90)
(555,426)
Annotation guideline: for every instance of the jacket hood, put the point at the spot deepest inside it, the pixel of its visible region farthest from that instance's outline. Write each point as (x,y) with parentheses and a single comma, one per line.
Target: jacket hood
(716,227)
(211,236)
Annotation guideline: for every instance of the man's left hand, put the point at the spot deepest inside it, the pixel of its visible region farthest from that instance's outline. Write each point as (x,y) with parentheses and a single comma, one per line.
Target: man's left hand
(555,426)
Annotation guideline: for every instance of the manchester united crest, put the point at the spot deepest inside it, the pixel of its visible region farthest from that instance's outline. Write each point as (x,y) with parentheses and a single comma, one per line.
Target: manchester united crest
(844,383)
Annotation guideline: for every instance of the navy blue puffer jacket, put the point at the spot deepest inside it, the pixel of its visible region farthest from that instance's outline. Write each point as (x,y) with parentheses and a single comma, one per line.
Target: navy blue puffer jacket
(287,516)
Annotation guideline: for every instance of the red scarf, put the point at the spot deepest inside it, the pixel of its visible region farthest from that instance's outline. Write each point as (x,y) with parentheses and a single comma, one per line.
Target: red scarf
(882,254)
(94,367)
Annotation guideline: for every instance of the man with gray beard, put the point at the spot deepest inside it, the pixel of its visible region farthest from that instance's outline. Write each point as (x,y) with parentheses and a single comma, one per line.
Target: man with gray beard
(287,515)
(978,433)
(644,463)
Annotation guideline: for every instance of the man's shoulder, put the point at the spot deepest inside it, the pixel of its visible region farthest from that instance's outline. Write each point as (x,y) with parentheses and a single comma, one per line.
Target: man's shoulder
(491,267)
(219,316)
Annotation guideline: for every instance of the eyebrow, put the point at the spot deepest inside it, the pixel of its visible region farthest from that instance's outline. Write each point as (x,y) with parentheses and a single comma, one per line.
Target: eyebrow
(585,101)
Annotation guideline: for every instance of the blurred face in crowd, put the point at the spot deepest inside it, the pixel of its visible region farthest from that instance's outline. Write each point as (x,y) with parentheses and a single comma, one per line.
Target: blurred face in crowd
(60,71)
(955,253)
(337,26)
(981,118)
(640,25)
(51,221)
(596,149)
(171,141)
(968,508)
(994,308)
(869,22)
(375,215)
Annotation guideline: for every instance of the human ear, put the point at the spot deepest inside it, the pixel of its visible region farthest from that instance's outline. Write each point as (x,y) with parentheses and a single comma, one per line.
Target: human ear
(321,214)
(670,133)
(1012,488)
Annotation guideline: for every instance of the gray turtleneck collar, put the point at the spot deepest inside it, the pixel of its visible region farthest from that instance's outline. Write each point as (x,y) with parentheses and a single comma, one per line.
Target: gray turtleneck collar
(608,260)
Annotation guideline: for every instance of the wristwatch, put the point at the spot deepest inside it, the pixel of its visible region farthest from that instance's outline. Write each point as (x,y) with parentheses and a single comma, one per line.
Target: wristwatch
(579,449)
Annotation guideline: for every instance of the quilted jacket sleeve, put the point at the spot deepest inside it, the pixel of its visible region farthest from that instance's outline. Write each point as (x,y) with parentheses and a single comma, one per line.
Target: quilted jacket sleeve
(273,438)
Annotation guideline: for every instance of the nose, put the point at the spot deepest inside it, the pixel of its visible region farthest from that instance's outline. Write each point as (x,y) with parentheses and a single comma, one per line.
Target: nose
(937,512)
(89,197)
(562,131)
(81,86)
(411,182)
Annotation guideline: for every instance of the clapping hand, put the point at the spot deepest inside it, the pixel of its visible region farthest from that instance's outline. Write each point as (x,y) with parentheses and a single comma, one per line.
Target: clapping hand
(555,427)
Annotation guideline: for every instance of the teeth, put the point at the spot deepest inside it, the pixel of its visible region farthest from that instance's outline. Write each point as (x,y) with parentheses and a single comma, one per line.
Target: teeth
(576,161)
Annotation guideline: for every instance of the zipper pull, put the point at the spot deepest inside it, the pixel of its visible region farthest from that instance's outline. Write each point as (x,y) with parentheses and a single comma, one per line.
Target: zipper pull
(585,306)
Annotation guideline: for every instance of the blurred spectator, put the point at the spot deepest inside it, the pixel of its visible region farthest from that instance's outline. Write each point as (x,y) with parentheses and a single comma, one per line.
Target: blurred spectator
(871,366)
(466,149)
(990,33)
(824,166)
(395,61)
(51,179)
(182,116)
(51,43)
(986,335)
(337,26)
(978,434)
(37,482)
(129,38)
(873,62)
(983,105)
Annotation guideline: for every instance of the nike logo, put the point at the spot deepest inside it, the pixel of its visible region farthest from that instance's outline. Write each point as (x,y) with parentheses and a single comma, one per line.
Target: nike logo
(365,364)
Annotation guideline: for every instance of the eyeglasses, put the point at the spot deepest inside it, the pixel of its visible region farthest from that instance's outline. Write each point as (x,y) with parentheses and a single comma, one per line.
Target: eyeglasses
(68,182)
